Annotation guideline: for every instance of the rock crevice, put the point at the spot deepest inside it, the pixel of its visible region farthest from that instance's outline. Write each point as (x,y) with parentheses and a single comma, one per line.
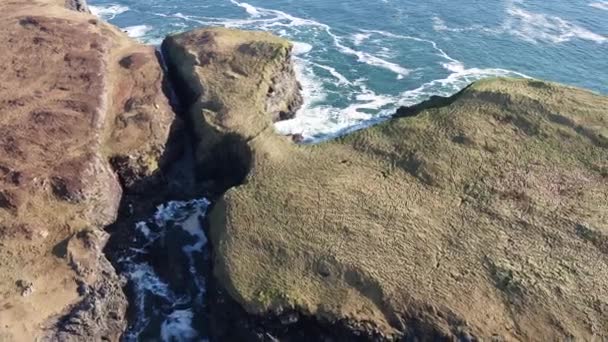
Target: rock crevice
(490,200)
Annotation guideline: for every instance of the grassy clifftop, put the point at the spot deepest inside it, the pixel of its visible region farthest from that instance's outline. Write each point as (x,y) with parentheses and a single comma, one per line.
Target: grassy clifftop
(484,216)
(79,102)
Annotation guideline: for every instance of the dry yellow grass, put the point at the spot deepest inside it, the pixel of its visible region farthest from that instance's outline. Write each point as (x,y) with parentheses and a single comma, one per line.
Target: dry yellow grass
(484,215)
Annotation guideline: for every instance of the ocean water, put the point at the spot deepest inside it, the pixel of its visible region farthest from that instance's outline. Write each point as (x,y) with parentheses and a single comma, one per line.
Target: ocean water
(357,61)
(167,304)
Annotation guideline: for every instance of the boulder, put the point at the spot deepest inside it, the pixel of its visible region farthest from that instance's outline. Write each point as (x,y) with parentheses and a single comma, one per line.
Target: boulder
(480,216)
(82,107)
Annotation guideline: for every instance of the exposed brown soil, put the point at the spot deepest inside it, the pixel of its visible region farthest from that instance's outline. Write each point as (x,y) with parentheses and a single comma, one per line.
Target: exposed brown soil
(74,94)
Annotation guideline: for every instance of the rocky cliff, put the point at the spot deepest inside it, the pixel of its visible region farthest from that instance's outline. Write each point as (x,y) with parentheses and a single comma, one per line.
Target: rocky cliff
(82,110)
(234,85)
(480,216)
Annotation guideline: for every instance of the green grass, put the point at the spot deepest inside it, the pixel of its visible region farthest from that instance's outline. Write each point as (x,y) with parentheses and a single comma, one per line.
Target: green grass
(416,213)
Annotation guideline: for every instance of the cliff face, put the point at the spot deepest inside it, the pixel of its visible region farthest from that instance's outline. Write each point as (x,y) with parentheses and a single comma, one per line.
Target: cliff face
(77,5)
(478,216)
(76,95)
(234,84)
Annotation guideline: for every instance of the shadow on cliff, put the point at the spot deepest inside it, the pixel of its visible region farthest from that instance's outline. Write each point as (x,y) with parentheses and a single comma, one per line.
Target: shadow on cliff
(174,180)
(181,178)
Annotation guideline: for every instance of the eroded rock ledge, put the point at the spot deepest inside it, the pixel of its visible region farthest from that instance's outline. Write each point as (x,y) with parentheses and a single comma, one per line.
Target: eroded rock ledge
(478,216)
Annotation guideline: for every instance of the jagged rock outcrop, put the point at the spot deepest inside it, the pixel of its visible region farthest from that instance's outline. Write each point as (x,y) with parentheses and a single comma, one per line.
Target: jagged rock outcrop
(231,81)
(481,216)
(77,5)
(78,101)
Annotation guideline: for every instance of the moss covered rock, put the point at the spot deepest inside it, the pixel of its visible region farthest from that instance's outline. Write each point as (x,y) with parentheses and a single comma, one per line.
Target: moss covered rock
(481,215)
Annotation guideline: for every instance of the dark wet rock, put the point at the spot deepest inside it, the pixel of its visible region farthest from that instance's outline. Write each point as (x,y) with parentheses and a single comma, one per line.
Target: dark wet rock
(77,5)
(100,315)
(25,287)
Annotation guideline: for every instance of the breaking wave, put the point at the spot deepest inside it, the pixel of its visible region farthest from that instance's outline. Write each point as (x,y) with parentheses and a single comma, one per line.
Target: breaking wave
(603,5)
(108,12)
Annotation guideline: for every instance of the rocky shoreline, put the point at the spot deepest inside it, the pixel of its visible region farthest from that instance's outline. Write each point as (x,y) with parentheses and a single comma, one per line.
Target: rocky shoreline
(351,239)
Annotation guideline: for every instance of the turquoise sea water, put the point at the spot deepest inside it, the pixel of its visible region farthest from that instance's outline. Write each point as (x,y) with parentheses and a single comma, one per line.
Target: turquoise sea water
(359,60)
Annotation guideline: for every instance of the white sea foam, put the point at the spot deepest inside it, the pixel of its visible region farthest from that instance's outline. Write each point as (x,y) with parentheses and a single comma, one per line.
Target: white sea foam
(252,10)
(137,31)
(440,25)
(282,19)
(321,122)
(440,51)
(318,121)
(192,225)
(537,27)
(333,72)
(369,59)
(603,5)
(301,48)
(269,19)
(454,66)
(359,38)
(144,282)
(108,12)
(460,78)
(532,27)
(178,327)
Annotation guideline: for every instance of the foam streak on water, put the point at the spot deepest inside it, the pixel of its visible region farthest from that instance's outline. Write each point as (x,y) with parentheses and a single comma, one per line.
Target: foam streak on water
(108,12)
(602,5)
(155,301)
(532,26)
(352,80)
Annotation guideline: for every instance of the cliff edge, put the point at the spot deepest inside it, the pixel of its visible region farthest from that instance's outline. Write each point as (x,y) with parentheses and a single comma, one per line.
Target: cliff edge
(82,110)
(478,216)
